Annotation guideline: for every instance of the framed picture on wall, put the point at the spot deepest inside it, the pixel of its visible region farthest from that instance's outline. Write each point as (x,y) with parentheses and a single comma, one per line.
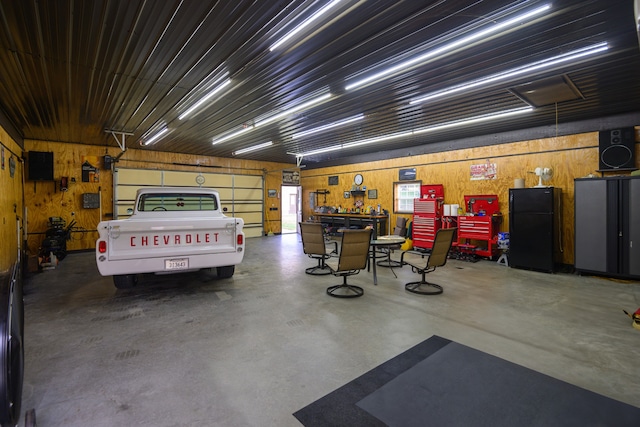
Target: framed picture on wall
(272,193)
(372,194)
(333,180)
(347,194)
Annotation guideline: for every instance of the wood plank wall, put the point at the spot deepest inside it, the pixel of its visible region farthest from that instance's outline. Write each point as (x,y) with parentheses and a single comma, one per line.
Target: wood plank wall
(44,199)
(570,157)
(11,204)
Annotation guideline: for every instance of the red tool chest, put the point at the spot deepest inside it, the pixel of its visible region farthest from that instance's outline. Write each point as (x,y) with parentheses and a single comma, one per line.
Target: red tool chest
(427,215)
(432,191)
(483,225)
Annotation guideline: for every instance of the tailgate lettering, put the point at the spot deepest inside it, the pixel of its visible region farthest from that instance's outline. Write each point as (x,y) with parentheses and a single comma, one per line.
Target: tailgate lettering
(176,239)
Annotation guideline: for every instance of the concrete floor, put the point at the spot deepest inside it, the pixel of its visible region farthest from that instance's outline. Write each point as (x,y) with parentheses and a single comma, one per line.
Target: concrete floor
(192,350)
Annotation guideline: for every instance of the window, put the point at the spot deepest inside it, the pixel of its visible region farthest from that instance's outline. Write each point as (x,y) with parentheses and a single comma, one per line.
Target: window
(177,202)
(403,195)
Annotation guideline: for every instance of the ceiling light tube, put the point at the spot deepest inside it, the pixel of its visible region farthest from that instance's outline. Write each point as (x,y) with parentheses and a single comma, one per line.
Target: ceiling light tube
(254,148)
(536,66)
(475,119)
(327,126)
(231,135)
(304,24)
(155,137)
(431,54)
(447,125)
(273,118)
(204,99)
(319,151)
(285,113)
(377,139)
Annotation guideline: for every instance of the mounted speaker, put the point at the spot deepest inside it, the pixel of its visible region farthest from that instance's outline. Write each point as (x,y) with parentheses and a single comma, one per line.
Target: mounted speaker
(107,162)
(40,166)
(617,149)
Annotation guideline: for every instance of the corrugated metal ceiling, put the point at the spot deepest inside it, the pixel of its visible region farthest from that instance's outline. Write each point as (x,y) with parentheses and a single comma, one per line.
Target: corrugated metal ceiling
(70,69)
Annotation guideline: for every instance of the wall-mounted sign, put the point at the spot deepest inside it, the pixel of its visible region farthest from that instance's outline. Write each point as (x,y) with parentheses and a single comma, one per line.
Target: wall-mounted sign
(291,177)
(333,180)
(407,174)
(484,171)
(90,173)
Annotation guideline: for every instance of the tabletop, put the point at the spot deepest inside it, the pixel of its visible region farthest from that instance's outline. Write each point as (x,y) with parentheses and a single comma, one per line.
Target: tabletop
(388,240)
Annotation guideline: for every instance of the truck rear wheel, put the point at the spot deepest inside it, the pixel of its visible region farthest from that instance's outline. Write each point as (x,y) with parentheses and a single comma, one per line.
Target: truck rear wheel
(226,271)
(125,281)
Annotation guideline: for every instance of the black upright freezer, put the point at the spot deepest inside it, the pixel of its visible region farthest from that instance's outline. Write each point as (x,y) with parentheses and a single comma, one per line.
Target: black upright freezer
(534,228)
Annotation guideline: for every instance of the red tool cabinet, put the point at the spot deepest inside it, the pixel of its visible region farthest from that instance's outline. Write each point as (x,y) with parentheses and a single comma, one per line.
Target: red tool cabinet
(483,226)
(426,222)
(427,215)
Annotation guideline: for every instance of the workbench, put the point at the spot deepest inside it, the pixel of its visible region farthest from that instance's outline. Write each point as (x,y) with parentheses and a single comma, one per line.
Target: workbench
(347,220)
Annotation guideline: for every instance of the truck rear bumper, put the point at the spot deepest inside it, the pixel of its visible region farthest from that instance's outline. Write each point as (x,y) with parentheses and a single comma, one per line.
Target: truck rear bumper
(162,264)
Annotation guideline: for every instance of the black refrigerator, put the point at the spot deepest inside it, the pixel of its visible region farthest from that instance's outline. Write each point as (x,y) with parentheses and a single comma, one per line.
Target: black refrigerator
(534,228)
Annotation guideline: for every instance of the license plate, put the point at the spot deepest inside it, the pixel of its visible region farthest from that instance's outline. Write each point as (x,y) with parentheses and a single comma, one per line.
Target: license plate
(176,264)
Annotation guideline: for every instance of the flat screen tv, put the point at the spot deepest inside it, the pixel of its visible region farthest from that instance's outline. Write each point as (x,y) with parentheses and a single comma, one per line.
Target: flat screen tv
(40,166)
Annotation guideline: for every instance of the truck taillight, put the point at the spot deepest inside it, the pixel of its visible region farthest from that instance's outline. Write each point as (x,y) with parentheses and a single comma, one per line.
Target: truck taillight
(102,246)
(239,239)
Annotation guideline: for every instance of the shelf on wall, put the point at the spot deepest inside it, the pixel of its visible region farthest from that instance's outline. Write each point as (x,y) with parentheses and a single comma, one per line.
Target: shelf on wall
(357,193)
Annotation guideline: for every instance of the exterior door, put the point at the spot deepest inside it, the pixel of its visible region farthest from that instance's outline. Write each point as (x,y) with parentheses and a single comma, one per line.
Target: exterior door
(289,208)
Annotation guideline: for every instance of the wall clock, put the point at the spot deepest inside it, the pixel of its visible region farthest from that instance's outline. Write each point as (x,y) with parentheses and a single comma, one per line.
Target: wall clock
(358,180)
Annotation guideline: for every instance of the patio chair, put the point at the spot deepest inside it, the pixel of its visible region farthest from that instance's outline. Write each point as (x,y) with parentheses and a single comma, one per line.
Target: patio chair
(423,263)
(354,253)
(317,246)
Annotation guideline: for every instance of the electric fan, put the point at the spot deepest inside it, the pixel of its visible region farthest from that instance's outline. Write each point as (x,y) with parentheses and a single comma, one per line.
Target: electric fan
(544,174)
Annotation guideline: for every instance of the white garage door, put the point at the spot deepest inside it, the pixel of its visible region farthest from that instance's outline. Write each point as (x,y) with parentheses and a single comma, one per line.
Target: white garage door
(241,195)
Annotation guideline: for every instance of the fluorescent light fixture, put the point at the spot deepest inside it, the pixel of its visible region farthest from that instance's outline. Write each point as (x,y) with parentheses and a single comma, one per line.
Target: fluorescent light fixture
(355,144)
(447,125)
(536,66)
(285,113)
(434,53)
(231,135)
(254,148)
(304,24)
(474,120)
(322,150)
(328,126)
(205,99)
(155,137)
(377,139)
(273,118)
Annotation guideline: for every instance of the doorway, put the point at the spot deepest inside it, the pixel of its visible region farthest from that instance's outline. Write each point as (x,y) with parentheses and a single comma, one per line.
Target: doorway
(290,208)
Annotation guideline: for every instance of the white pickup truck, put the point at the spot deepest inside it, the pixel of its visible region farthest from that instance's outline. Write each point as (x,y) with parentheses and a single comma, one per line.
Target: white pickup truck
(171,229)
